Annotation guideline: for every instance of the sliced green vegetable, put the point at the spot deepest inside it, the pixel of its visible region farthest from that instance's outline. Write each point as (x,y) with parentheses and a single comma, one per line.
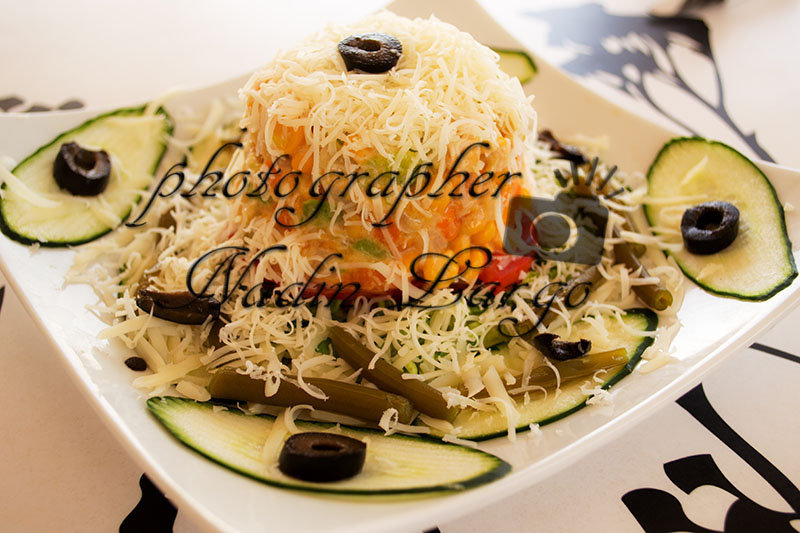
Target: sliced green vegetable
(371,248)
(181,307)
(377,165)
(587,365)
(46,214)
(637,248)
(655,296)
(517,63)
(201,153)
(344,398)
(759,263)
(324,347)
(323,216)
(486,425)
(424,397)
(394,464)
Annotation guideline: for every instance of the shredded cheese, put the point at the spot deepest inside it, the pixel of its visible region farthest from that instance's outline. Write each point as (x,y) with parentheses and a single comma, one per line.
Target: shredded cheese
(424,107)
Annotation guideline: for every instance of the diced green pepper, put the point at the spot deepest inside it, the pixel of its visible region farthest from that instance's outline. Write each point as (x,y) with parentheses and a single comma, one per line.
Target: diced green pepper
(323,216)
(371,248)
(324,347)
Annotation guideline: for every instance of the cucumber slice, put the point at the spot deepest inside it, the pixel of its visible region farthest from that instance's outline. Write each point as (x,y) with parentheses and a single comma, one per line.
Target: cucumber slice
(202,152)
(517,63)
(759,263)
(394,464)
(135,142)
(482,425)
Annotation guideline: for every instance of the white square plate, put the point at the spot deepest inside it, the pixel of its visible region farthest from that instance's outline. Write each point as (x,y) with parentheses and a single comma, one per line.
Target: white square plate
(712,328)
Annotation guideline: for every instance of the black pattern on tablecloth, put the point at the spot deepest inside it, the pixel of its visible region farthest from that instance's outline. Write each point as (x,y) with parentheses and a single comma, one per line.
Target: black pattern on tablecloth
(642,47)
(14,103)
(776,352)
(154,513)
(658,511)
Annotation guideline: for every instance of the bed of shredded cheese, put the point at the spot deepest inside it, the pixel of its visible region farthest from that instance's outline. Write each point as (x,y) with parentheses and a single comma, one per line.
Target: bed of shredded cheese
(441,347)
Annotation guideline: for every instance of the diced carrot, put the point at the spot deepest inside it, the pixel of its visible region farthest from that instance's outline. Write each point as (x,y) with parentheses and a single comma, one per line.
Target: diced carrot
(298,164)
(290,139)
(461,242)
(473,223)
(449,224)
(408,257)
(354,231)
(486,234)
(391,229)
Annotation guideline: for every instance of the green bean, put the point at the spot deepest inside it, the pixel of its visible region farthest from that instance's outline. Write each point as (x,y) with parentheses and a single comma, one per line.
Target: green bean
(582,189)
(581,367)
(496,337)
(343,398)
(588,277)
(423,397)
(637,248)
(182,307)
(655,296)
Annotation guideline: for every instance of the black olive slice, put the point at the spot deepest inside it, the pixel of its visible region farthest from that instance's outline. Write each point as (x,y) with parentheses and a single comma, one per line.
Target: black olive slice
(213,334)
(564,151)
(181,307)
(167,219)
(370,52)
(80,171)
(322,456)
(137,364)
(553,348)
(710,227)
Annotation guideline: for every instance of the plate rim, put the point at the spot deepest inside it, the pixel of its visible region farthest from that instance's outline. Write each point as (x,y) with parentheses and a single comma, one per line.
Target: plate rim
(450,506)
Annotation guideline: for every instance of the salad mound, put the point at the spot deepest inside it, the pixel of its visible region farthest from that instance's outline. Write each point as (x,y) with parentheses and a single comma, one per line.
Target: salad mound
(421,158)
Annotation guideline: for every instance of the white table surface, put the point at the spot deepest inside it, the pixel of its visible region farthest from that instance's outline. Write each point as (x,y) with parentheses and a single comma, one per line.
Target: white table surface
(63,471)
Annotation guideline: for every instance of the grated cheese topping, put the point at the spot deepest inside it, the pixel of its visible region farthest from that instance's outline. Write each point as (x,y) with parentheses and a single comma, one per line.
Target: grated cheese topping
(445,88)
